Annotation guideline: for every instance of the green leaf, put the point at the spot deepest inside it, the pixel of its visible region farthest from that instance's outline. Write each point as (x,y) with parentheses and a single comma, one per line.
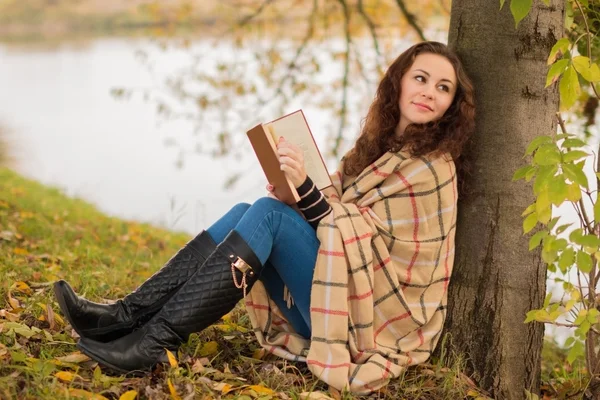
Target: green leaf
(549,256)
(575,235)
(574,192)
(562,228)
(537,239)
(558,190)
(528,210)
(575,173)
(529,223)
(530,316)
(572,142)
(574,155)
(553,223)
(588,241)
(542,203)
(559,48)
(560,244)
(547,154)
(555,71)
(566,259)
(569,88)
(537,142)
(597,211)
(584,262)
(520,9)
(544,176)
(586,69)
(575,352)
(522,172)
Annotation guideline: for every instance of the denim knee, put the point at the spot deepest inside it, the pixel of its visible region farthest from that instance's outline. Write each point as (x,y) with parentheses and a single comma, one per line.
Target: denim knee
(269,204)
(240,209)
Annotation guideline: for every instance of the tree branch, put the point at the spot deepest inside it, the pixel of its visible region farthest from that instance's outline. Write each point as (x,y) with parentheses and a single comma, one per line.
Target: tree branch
(412,20)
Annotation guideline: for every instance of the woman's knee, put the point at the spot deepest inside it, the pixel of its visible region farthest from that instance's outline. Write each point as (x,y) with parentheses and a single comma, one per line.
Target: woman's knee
(269,204)
(240,209)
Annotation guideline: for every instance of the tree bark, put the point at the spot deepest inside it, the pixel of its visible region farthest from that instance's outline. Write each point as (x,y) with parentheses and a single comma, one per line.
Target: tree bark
(496,280)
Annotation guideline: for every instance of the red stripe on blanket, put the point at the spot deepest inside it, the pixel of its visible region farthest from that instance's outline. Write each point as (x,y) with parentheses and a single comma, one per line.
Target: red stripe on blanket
(356,238)
(413,203)
(332,253)
(323,365)
(380,265)
(361,296)
(421,337)
(398,318)
(330,312)
(257,306)
(377,172)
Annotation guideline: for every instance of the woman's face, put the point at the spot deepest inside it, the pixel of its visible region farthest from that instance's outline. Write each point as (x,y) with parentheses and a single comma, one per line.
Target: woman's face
(427,90)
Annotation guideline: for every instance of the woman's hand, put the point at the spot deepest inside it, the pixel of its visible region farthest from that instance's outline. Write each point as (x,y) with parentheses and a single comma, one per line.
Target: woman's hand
(291,159)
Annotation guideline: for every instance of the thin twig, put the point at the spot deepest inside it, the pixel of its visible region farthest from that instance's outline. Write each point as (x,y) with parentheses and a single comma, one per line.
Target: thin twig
(410,17)
(372,30)
(345,79)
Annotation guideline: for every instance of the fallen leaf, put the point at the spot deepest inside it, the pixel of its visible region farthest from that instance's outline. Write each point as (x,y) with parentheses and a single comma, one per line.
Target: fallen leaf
(50,314)
(198,368)
(14,303)
(209,348)
(261,389)
(172,390)
(20,251)
(22,287)
(76,357)
(65,376)
(314,396)
(335,393)
(259,353)
(172,360)
(129,395)
(85,394)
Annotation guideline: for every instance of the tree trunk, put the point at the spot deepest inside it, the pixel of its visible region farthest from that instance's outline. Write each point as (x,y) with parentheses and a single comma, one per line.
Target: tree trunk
(496,280)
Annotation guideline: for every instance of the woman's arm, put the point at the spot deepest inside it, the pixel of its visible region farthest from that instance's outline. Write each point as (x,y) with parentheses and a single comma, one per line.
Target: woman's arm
(312,203)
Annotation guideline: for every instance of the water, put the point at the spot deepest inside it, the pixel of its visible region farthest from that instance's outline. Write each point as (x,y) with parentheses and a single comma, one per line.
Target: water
(67,130)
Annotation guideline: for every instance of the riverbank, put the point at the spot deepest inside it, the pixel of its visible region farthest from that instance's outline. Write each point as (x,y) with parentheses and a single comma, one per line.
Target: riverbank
(45,236)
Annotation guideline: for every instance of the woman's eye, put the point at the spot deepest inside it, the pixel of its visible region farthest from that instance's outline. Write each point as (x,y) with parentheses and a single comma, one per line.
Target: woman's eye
(444,88)
(420,78)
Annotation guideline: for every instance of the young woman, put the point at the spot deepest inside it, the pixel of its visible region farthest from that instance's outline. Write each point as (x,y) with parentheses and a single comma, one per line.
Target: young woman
(355,284)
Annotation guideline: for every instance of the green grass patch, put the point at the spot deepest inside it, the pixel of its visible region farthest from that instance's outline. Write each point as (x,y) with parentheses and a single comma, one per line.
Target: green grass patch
(45,236)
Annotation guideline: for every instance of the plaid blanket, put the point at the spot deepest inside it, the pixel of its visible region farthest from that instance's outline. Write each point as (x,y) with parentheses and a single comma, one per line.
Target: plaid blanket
(379,291)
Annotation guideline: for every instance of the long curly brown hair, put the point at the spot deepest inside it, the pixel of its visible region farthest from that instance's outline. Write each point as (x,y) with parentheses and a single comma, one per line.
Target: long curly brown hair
(446,135)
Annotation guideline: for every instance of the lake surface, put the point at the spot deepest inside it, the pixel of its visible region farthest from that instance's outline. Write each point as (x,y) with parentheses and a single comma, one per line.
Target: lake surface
(66,129)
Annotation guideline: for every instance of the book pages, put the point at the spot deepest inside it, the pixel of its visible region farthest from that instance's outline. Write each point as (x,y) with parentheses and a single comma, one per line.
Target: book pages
(293,128)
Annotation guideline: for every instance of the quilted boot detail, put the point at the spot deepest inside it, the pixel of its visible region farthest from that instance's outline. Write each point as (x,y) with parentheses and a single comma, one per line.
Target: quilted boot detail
(227,275)
(106,322)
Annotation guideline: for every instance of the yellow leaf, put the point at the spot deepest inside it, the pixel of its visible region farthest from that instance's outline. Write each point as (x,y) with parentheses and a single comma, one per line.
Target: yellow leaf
(261,389)
(259,353)
(208,349)
(80,393)
(22,287)
(76,357)
(20,252)
(174,394)
(172,359)
(65,376)
(130,395)
(226,388)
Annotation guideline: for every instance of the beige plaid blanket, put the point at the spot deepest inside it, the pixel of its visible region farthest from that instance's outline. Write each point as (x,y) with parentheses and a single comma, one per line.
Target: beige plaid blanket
(379,291)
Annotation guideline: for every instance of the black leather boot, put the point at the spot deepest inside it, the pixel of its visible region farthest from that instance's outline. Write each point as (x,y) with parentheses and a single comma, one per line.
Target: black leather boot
(227,275)
(106,322)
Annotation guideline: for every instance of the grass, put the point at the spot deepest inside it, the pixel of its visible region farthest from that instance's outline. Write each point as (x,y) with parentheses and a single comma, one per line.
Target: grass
(45,236)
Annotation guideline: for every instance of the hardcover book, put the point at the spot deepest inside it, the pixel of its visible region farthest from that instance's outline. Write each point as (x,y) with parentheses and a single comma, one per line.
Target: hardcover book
(294,128)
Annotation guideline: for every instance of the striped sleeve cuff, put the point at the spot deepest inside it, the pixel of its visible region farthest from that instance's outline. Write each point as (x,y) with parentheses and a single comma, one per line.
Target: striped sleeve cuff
(312,203)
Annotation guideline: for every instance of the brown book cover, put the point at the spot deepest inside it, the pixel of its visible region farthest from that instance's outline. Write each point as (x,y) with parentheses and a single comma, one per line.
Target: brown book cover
(294,128)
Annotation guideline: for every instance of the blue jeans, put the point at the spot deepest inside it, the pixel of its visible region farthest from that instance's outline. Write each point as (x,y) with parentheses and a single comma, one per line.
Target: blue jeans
(285,244)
